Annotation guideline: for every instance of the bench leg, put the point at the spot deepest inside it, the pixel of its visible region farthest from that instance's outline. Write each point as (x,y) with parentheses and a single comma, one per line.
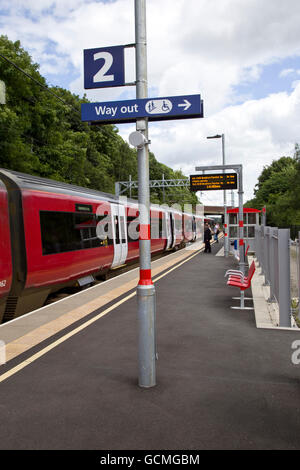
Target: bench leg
(245,298)
(242,304)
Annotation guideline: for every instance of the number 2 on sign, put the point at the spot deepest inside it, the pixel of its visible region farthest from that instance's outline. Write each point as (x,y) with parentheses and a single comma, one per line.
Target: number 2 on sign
(101,76)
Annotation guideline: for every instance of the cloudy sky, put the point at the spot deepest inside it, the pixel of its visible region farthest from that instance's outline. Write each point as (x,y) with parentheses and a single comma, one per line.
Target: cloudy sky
(242,56)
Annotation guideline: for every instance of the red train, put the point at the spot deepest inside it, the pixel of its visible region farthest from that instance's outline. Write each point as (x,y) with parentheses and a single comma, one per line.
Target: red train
(50,237)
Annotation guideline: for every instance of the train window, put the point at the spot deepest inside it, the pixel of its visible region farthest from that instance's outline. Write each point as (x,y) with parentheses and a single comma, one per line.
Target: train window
(105,229)
(122,225)
(117,233)
(157,226)
(163,225)
(188,225)
(132,229)
(154,227)
(86,225)
(178,224)
(199,225)
(68,231)
(160,221)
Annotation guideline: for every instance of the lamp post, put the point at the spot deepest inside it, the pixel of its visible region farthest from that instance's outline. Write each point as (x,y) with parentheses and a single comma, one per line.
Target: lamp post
(222,136)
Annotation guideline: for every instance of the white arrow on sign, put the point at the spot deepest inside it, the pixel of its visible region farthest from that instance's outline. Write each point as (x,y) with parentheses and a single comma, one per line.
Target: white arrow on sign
(186,105)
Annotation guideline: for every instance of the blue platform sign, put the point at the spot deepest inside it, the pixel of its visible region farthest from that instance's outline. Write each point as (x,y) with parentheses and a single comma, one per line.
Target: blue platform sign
(155,109)
(104,67)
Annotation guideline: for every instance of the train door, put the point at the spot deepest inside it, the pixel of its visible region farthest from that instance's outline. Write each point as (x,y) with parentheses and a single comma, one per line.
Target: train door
(170,230)
(194,228)
(173,229)
(119,233)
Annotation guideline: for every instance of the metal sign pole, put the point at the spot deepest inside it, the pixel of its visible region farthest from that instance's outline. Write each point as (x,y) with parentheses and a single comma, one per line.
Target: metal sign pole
(145,288)
(241,221)
(141,110)
(226,241)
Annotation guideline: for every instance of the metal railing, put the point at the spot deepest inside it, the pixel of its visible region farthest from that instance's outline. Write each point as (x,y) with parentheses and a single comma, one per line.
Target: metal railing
(295,276)
(272,250)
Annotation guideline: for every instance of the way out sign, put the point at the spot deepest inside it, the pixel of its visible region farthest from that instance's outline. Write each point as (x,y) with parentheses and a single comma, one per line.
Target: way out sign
(155,109)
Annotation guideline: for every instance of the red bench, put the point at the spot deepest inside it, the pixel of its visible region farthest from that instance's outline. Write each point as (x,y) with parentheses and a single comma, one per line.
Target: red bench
(243,283)
(236,272)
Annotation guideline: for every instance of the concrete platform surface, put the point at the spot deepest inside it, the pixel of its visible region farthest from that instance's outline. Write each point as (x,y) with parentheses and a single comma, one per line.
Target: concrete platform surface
(222,383)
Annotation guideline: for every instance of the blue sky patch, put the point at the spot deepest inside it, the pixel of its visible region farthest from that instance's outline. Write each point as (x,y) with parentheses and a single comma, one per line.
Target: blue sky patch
(62,78)
(273,78)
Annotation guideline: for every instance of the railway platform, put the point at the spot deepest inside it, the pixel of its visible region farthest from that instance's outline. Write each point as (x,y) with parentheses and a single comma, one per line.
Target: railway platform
(222,383)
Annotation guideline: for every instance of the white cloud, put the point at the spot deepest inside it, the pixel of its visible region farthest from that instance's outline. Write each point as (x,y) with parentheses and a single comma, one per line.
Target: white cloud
(206,46)
(202,45)
(286,72)
(256,133)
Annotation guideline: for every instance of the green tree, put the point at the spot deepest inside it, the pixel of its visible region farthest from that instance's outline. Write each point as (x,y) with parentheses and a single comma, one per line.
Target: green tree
(41,133)
(276,190)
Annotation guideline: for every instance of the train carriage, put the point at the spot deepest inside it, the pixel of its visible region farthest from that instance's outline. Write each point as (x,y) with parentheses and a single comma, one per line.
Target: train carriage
(64,235)
(5,250)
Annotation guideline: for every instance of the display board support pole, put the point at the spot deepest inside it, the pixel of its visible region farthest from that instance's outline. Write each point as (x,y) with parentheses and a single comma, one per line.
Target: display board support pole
(226,239)
(241,221)
(239,170)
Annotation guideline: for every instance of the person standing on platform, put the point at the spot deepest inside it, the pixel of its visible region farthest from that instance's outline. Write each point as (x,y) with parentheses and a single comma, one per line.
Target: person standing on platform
(207,238)
(216,233)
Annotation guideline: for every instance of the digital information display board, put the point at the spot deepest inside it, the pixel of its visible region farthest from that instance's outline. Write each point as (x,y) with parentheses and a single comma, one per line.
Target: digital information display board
(213,181)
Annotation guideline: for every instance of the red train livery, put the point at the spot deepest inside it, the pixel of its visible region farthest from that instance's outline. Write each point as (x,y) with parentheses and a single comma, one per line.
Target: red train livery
(55,235)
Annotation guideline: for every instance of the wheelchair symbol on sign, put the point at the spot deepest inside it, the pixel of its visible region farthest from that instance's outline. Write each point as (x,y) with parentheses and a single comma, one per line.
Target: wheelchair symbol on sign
(158,106)
(165,107)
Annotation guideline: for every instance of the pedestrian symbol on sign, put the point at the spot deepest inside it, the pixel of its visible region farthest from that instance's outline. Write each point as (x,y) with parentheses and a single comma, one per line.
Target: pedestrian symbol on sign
(158,106)
(151,106)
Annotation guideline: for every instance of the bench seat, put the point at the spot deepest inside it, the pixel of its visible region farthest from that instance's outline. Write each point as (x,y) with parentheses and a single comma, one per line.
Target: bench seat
(241,281)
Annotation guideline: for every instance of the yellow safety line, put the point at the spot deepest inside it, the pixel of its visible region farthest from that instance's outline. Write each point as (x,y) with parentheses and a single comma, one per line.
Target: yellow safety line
(51,346)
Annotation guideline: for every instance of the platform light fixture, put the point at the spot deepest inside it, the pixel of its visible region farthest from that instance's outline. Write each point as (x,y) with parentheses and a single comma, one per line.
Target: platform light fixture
(217,136)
